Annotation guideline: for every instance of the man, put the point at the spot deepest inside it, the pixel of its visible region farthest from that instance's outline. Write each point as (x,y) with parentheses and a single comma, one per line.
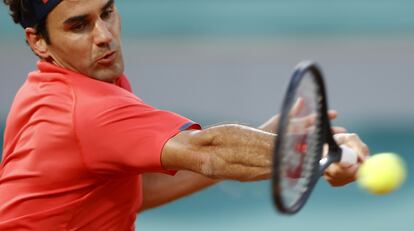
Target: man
(82,152)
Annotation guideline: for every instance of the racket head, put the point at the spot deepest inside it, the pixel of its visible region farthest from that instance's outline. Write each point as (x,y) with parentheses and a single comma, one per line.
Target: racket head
(302,132)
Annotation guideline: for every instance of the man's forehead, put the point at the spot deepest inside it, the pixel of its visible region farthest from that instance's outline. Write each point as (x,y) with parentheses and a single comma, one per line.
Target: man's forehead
(75,8)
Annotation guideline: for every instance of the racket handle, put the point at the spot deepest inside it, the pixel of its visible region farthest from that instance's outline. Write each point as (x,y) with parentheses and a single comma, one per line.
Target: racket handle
(348,156)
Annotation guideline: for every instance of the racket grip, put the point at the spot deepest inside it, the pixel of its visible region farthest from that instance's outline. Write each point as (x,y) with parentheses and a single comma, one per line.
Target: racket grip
(349,156)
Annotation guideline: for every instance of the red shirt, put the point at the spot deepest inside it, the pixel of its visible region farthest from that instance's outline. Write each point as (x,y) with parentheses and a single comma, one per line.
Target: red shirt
(74,148)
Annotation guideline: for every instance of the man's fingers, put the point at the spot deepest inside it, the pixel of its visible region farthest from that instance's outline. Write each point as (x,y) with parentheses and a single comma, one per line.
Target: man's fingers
(332,114)
(353,141)
(336,130)
(310,119)
(338,175)
(297,107)
(271,125)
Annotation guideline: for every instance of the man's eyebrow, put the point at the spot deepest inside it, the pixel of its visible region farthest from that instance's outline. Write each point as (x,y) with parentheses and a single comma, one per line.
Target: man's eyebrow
(109,4)
(75,19)
(81,18)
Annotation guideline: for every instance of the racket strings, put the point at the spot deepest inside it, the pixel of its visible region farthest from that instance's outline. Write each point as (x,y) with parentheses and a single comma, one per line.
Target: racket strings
(298,164)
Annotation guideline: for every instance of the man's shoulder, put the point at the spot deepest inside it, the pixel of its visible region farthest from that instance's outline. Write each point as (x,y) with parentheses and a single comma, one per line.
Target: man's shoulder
(41,100)
(46,88)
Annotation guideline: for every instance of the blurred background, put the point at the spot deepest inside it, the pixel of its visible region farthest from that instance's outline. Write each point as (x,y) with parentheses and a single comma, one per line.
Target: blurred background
(221,61)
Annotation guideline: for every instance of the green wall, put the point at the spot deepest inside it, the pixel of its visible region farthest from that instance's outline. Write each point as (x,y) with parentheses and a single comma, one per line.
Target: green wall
(155,18)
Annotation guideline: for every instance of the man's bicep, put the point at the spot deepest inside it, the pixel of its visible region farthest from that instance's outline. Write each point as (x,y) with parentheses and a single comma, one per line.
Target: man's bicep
(124,135)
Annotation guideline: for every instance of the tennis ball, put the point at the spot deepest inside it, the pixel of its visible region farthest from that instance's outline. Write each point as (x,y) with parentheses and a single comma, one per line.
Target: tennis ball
(382,173)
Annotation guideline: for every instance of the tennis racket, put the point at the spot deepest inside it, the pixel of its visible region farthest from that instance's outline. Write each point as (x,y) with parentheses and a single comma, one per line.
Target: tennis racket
(304,134)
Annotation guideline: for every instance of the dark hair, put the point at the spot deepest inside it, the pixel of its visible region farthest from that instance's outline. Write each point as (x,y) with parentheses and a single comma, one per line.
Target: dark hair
(23,9)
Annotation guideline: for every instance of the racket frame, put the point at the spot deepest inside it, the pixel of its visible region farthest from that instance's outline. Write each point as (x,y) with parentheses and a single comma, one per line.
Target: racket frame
(334,151)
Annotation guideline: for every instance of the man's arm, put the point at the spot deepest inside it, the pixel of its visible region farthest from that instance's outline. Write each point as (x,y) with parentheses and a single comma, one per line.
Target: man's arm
(231,151)
(222,152)
(159,189)
(241,153)
(228,152)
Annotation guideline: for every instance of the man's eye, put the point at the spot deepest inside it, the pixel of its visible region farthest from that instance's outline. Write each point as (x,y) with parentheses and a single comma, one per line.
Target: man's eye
(78,27)
(107,14)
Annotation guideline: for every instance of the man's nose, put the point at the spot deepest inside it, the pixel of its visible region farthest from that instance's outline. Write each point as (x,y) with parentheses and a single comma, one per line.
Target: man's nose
(102,34)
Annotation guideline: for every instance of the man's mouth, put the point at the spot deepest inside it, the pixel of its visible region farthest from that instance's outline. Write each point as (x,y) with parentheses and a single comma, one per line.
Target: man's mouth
(107,59)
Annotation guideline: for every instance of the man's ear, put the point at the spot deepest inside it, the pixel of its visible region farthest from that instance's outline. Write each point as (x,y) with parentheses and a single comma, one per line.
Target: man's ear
(37,43)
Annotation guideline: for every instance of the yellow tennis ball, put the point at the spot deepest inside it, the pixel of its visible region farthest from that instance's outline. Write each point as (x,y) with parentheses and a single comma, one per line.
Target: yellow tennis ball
(382,173)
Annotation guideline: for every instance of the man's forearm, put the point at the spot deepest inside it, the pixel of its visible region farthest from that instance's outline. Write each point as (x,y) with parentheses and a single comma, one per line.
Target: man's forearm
(222,152)
(204,157)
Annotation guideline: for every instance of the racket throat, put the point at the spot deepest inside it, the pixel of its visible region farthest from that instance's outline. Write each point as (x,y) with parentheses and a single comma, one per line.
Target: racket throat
(326,161)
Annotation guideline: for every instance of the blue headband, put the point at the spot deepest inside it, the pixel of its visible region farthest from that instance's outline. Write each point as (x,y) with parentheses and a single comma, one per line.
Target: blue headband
(40,9)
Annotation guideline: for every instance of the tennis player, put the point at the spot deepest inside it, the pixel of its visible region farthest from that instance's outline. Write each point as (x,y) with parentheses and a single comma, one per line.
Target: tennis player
(82,152)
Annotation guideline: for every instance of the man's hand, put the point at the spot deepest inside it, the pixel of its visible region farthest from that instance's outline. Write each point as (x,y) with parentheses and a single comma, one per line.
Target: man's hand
(272,124)
(339,174)
(336,174)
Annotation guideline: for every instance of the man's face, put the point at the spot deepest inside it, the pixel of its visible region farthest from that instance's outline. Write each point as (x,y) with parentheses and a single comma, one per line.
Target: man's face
(85,37)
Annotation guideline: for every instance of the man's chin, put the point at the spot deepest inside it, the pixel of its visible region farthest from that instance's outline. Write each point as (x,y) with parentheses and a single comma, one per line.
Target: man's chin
(108,74)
